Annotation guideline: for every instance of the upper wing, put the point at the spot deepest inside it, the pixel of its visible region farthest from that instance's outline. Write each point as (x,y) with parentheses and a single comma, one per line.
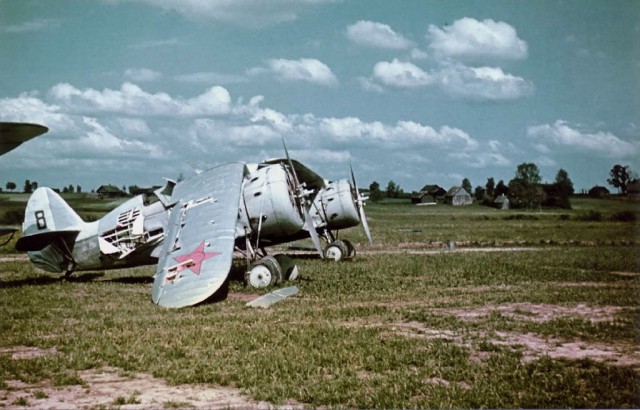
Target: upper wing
(198,249)
(311,180)
(13,134)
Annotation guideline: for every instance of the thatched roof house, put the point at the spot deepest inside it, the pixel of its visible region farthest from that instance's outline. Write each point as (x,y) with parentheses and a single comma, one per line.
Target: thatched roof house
(110,191)
(429,194)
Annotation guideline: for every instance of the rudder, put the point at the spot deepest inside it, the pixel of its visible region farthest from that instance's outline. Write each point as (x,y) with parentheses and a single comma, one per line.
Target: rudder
(47,218)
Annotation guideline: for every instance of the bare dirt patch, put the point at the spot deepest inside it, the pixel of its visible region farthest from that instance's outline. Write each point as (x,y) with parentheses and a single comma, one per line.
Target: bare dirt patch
(532,346)
(619,354)
(537,312)
(26,352)
(14,258)
(109,387)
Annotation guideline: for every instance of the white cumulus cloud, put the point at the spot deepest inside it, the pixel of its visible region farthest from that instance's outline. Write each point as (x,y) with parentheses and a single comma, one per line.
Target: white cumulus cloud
(483,83)
(468,39)
(130,99)
(400,74)
(377,35)
(305,69)
(563,135)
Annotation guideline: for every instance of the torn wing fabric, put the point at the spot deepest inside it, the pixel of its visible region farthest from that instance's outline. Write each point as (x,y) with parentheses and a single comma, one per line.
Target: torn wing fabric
(276,296)
(197,252)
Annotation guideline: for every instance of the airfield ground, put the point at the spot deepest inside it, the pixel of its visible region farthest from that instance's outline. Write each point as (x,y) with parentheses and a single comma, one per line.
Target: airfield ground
(451,307)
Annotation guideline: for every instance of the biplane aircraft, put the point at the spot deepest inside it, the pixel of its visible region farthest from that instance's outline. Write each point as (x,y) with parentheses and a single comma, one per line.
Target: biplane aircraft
(192,228)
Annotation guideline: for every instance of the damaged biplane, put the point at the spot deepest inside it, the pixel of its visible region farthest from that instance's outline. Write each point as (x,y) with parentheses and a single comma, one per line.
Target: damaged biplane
(191,229)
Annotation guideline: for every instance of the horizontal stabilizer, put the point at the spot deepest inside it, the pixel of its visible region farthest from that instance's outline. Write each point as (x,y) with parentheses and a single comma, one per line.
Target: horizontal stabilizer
(39,241)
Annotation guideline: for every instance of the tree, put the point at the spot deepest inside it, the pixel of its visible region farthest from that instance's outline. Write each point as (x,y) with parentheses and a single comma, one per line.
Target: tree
(621,176)
(480,193)
(524,189)
(523,195)
(11,186)
(528,173)
(392,190)
(78,189)
(501,189)
(27,187)
(466,184)
(491,187)
(374,192)
(70,189)
(563,182)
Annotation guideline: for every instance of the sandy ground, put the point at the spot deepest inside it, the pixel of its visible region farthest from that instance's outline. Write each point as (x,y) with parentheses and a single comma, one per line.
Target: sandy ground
(110,388)
(532,346)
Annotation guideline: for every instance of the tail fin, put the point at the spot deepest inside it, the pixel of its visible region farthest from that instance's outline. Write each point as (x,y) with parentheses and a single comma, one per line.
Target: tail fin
(47,218)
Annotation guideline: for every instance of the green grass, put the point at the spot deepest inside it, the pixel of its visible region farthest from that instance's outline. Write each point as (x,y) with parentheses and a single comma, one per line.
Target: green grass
(360,333)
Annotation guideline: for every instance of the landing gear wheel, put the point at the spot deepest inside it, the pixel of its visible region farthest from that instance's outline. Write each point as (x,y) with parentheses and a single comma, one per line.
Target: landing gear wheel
(287,266)
(336,251)
(264,272)
(351,250)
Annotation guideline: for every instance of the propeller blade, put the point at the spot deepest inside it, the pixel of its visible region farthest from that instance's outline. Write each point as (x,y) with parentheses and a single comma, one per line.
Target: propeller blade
(293,170)
(353,178)
(365,224)
(360,200)
(308,222)
(312,231)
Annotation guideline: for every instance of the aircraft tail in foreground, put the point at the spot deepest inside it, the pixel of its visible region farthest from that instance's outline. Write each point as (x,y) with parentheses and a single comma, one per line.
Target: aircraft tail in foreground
(49,222)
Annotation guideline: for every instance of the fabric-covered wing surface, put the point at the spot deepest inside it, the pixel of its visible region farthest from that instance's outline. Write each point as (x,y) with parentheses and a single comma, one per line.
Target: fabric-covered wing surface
(198,249)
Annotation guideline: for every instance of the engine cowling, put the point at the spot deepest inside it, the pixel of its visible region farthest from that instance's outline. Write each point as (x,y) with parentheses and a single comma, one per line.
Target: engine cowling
(335,207)
(269,193)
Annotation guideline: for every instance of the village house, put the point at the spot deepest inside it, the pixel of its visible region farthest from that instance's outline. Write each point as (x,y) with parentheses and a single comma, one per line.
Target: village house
(598,192)
(429,194)
(501,202)
(110,191)
(457,196)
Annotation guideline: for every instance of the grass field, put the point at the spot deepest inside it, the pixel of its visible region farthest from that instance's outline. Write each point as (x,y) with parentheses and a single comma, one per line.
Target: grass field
(530,309)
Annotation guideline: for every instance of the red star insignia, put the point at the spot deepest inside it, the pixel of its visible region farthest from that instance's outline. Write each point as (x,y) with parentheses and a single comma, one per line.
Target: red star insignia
(193,261)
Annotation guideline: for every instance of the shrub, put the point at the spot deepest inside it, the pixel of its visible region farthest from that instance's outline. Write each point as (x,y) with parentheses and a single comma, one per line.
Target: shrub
(624,216)
(591,216)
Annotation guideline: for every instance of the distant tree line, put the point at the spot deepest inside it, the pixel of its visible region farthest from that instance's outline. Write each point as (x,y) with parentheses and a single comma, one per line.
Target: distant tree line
(30,186)
(524,190)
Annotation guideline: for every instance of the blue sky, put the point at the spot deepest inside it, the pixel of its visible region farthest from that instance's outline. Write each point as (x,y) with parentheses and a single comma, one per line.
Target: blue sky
(418,92)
